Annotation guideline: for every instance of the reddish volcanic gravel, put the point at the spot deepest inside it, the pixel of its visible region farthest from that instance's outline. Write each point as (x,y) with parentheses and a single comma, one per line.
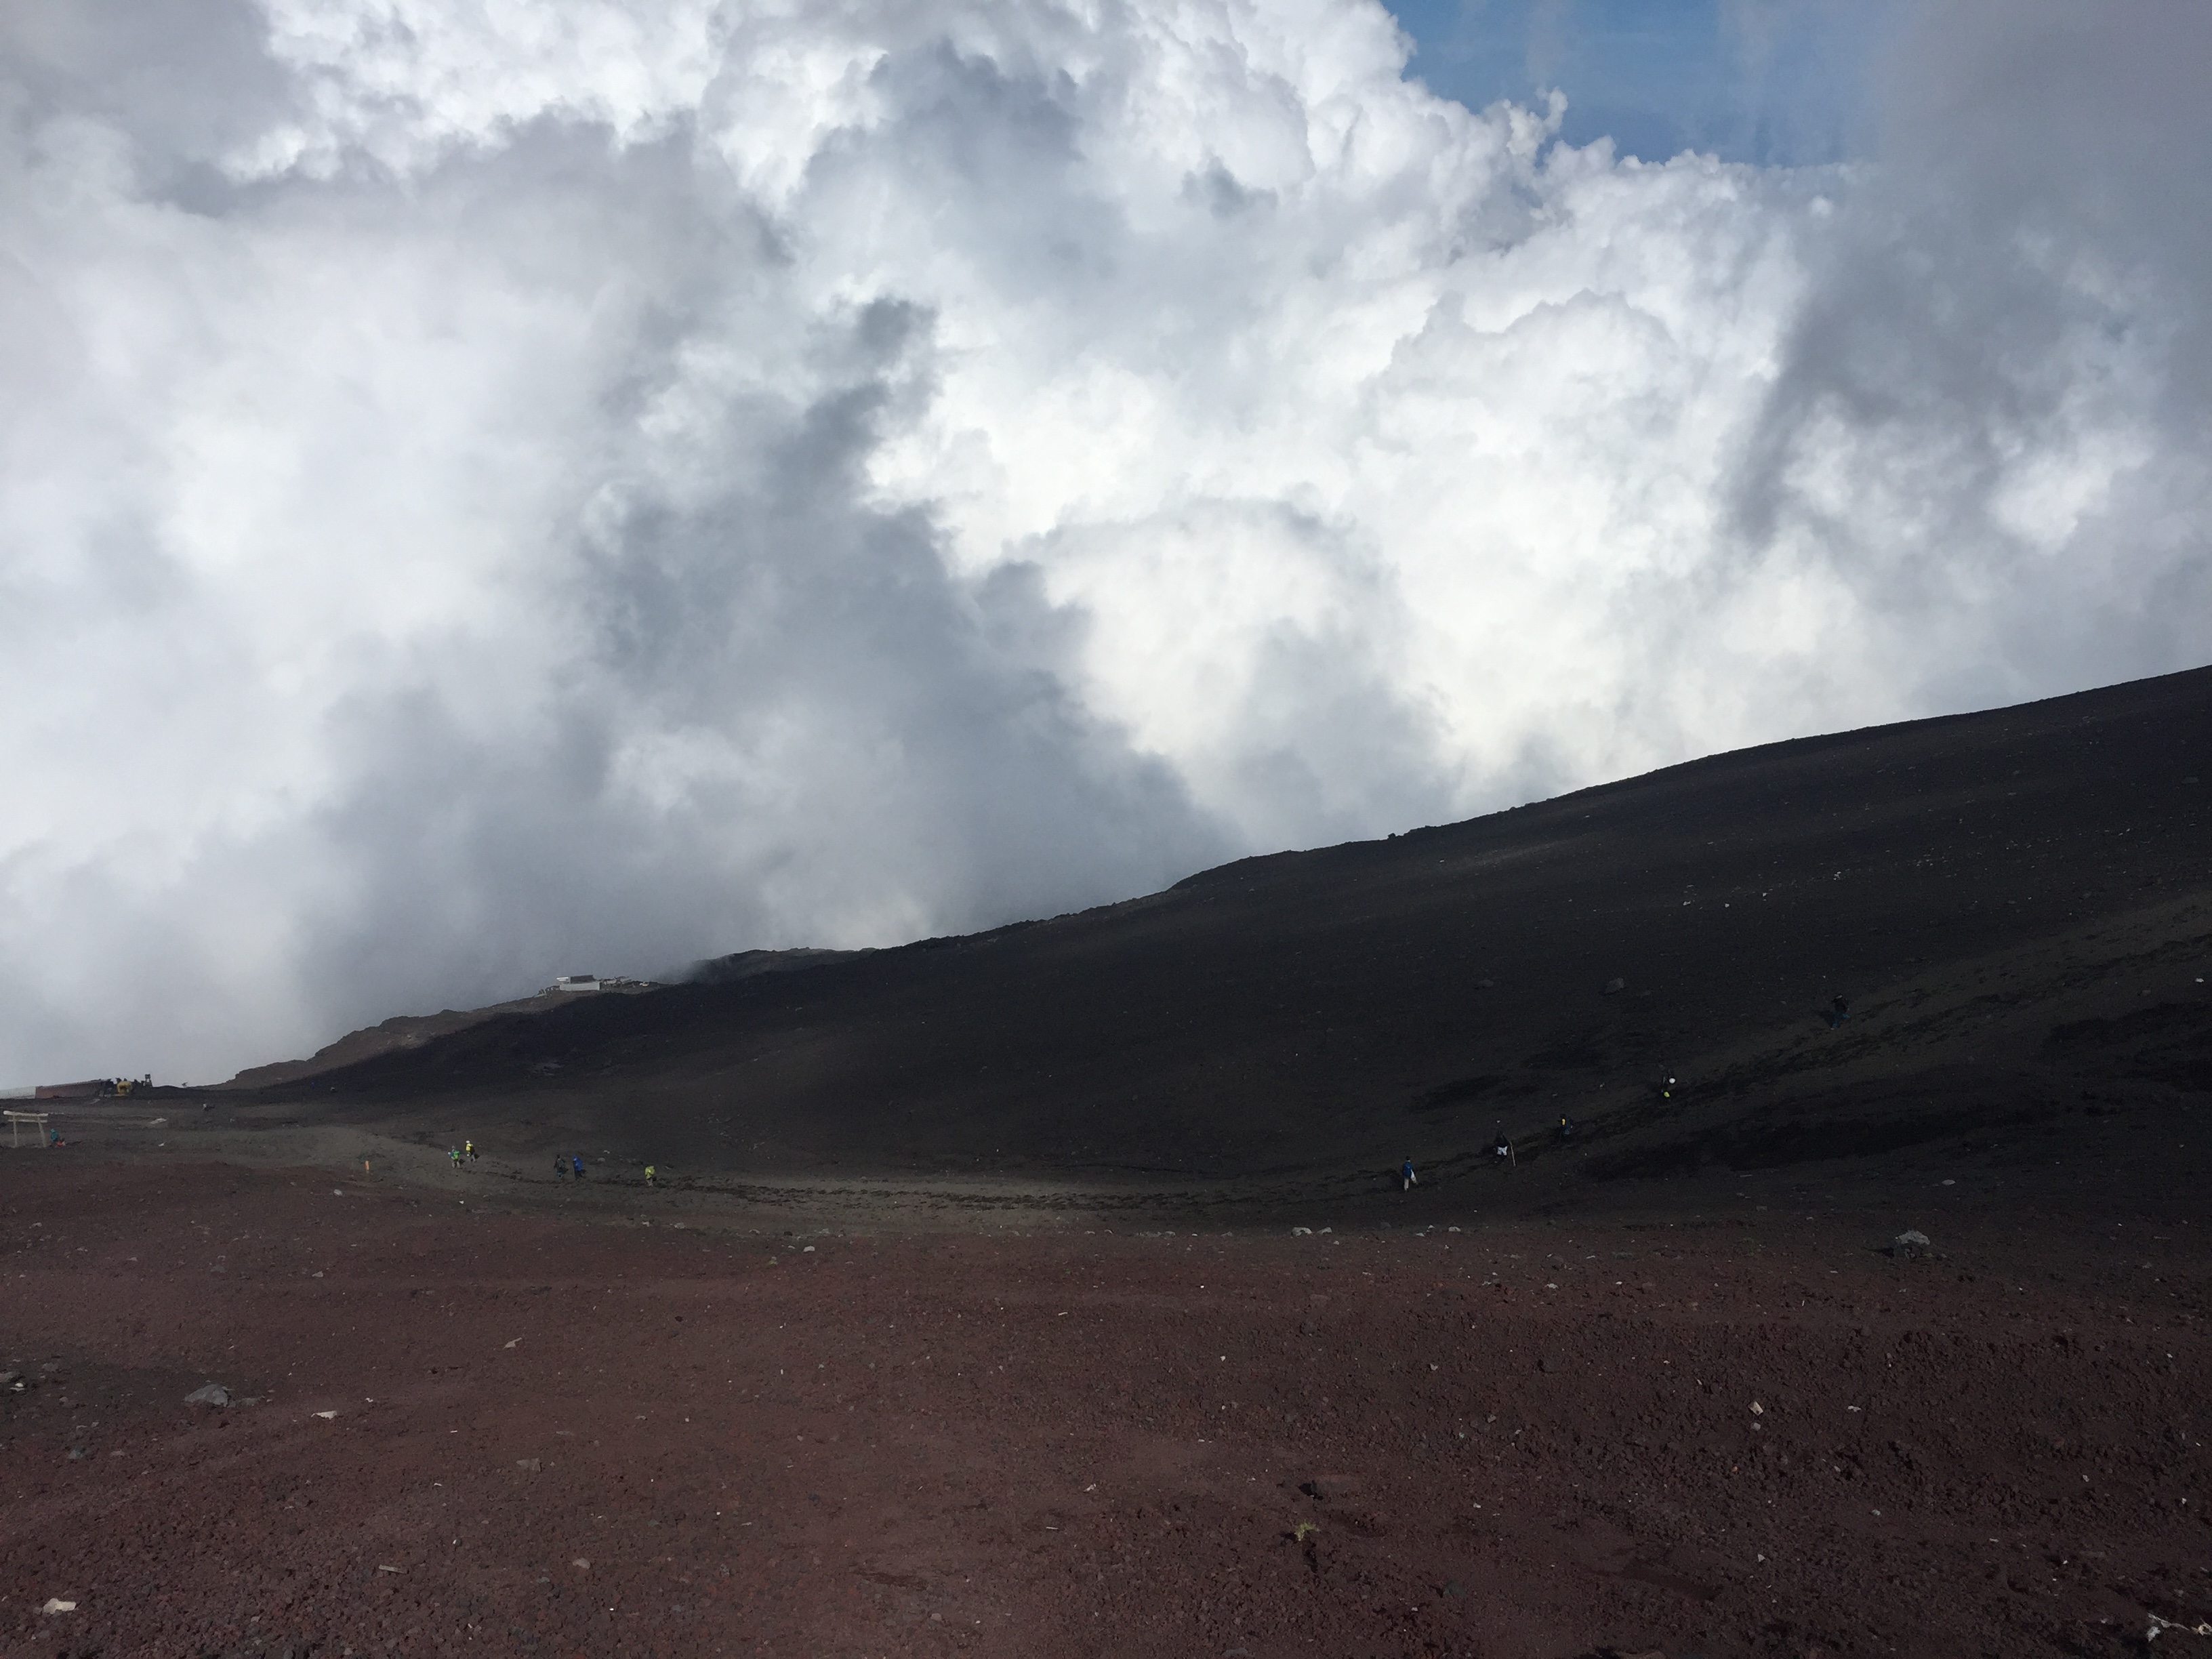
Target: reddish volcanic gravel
(519,1433)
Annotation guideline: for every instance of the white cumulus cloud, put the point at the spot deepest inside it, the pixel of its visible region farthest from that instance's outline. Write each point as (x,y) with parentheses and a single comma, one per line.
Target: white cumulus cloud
(488,490)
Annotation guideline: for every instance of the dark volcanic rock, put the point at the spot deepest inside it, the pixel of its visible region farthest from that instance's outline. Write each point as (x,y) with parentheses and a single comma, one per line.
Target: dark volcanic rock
(2012,903)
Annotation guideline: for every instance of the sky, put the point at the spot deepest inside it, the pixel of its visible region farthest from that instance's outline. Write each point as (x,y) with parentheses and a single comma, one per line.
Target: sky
(1774,82)
(491,491)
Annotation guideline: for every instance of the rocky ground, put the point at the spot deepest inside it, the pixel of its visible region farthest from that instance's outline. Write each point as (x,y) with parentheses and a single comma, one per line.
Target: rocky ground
(972,1313)
(1712,1419)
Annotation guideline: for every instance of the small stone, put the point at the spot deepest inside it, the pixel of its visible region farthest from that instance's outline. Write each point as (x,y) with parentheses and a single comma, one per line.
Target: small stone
(529,1465)
(1907,1246)
(1615,986)
(208,1393)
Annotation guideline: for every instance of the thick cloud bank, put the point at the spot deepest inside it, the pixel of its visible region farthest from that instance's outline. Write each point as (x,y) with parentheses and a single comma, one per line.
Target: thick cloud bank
(488,491)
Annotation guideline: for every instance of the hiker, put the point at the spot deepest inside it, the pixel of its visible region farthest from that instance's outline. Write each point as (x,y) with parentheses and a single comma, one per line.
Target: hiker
(649,1174)
(453,1155)
(1406,1178)
(469,1147)
(1836,1012)
(576,1163)
(1566,1128)
(1503,1148)
(560,1167)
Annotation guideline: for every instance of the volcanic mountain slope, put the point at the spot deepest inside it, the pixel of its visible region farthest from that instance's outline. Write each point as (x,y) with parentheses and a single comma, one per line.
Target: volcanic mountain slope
(399,1032)
(2015,905)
